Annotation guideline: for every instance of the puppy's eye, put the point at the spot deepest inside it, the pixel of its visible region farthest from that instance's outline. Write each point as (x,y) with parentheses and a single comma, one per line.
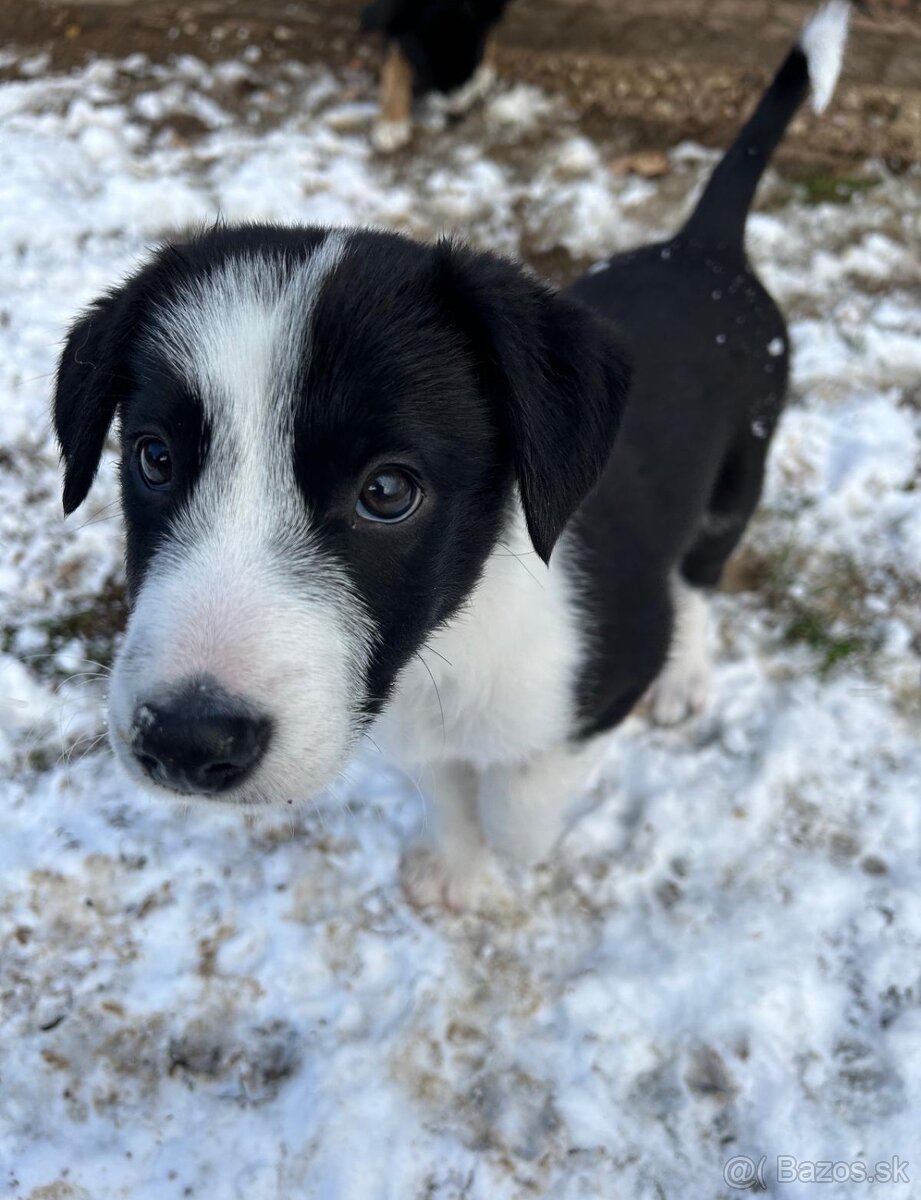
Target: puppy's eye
(389,495)
(155,463)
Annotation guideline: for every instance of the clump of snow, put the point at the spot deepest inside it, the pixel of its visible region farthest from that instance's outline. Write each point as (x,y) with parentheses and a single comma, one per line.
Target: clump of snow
(521,106)
(721,961)
(25,706)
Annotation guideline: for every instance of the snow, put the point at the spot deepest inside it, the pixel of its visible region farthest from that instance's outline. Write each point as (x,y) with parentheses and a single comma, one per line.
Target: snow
(723,958)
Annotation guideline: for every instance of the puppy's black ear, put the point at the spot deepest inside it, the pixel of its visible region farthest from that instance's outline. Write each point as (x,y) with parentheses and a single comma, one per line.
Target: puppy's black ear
(554,371)
(91,381)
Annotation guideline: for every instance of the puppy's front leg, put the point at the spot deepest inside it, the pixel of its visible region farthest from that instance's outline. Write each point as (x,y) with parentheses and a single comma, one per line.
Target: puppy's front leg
(523,807)
(450,864)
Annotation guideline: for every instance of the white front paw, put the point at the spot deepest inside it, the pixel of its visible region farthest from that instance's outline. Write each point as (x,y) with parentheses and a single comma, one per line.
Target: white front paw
(387,136)
(462,99)
(428,878)
(526,842)
(682,690)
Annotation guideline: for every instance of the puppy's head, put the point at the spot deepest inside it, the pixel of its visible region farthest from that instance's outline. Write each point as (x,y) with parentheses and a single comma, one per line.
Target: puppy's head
(321,436)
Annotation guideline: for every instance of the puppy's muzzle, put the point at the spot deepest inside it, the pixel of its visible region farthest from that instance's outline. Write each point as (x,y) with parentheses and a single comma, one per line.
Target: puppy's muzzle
(198,740)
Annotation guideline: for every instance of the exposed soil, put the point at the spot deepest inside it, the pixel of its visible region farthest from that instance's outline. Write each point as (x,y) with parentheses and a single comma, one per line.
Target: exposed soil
(656,71)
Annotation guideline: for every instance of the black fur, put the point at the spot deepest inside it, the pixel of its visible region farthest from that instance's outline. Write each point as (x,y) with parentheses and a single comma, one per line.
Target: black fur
(710,349)
(443,40)
(92,379)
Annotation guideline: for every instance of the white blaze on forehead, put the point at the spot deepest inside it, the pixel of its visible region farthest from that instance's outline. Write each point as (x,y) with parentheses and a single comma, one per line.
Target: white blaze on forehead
(240,337)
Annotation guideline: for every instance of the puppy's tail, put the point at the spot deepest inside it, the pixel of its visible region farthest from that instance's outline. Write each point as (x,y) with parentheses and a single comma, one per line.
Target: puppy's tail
(815,61)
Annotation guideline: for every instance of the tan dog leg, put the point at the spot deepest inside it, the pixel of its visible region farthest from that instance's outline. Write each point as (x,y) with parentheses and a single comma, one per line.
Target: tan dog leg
(394,127)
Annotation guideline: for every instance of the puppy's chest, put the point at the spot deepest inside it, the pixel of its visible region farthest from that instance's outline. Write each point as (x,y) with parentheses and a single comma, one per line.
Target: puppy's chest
(497,683)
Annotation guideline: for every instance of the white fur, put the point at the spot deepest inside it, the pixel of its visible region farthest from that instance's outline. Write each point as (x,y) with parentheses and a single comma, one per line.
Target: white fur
(496,684)
(822,41)
(523,806)
(516,809)
(486,713)
(388,136)
(462,99)
(240,581)
(450,864)
(683,687)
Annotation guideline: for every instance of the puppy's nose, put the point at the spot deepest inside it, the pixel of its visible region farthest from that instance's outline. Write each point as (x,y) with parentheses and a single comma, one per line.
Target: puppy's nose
(200,740)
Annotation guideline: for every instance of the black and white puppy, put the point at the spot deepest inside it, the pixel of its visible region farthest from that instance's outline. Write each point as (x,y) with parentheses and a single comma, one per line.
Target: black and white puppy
(442,46)
(374,486)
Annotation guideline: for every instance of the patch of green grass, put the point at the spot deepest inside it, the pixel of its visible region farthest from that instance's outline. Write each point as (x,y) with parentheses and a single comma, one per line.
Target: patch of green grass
(95,624)
(821,603)
(812,628)
(824,187)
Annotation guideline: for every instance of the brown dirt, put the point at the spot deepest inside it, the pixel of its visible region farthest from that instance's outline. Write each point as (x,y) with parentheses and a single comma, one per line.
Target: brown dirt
(654,71)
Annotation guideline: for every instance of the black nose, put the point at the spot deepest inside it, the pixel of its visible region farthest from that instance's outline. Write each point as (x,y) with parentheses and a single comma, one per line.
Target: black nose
(199,740)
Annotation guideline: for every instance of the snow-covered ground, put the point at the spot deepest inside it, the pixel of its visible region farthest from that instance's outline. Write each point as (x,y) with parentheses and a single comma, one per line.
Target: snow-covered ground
(725,958)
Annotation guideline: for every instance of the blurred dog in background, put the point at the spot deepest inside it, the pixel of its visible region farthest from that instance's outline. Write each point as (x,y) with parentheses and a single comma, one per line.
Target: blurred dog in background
(440,46)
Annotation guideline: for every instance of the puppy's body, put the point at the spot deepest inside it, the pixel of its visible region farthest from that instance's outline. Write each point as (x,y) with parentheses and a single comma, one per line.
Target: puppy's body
(371,485)
(684,508)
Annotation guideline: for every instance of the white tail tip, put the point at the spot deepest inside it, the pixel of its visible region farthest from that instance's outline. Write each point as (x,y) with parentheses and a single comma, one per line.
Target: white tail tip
(822,41)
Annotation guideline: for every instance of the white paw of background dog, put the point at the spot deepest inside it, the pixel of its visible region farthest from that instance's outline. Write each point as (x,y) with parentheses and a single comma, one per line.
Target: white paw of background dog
(388,136)
(462,99)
